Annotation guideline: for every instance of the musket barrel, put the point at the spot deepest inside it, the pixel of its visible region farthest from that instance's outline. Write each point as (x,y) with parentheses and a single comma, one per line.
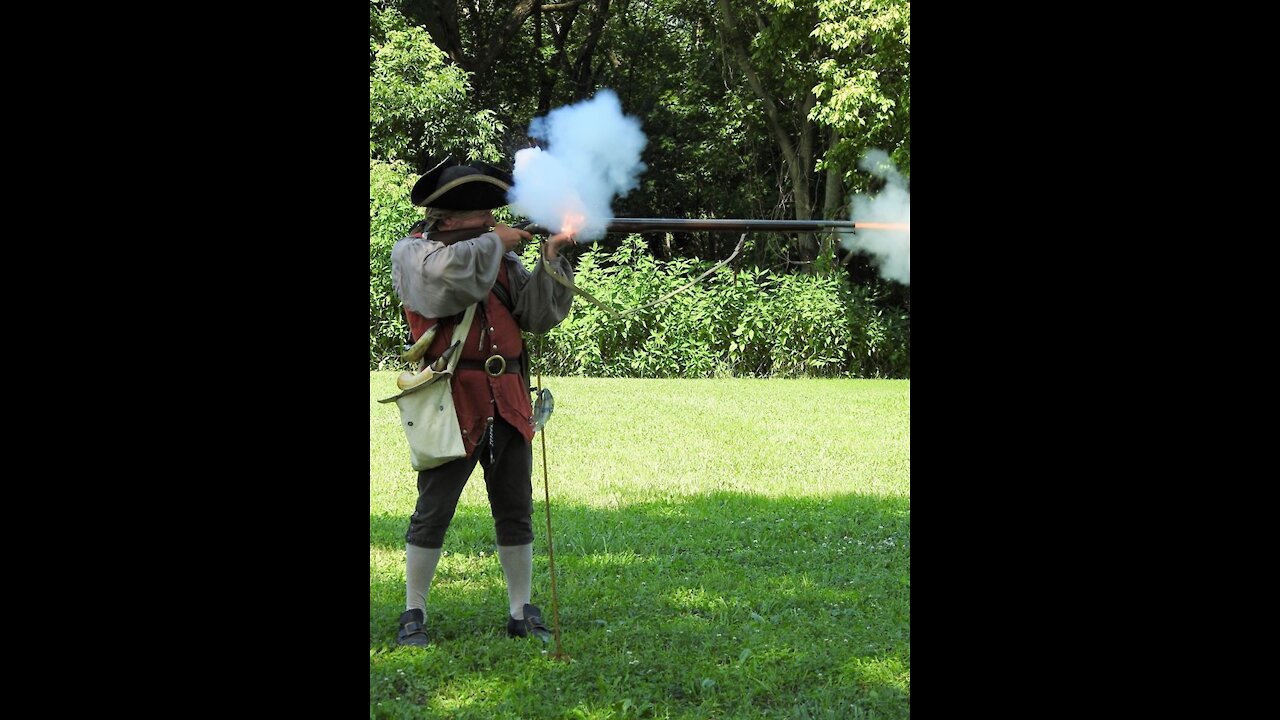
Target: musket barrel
(635,225)
(723,225)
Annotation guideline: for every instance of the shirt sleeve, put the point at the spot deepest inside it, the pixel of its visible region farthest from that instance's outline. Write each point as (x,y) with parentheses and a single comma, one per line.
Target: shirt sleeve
(541,302)
(437,280)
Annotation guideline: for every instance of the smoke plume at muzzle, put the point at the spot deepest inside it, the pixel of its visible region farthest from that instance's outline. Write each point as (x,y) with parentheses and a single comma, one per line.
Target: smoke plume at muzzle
(890,245)
(592,155)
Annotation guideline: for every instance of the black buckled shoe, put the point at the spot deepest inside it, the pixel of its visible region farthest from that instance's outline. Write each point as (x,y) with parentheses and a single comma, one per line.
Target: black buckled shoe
(530,625)
(412,629)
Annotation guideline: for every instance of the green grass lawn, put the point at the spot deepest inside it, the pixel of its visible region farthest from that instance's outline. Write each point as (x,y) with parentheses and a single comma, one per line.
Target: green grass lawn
(731,548)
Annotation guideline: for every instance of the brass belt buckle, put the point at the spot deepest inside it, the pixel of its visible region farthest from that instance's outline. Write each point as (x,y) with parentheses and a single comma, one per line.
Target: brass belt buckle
(502,365)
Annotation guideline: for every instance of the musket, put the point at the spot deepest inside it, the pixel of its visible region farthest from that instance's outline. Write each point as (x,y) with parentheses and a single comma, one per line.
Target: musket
(638,225)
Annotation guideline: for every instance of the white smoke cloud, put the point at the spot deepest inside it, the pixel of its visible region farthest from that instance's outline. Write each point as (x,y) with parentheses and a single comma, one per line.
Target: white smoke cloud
(592,155)
(891,247)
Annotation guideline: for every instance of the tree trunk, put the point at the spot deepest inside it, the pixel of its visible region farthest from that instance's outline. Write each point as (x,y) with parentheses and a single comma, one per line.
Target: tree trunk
(562,37)
(544,82)
(793,158)
(441,21)
(806,243)
(498,41)
(833,201)
(583,74)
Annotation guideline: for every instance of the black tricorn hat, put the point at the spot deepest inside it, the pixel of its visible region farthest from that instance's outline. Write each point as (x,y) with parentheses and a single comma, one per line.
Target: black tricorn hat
(454,186)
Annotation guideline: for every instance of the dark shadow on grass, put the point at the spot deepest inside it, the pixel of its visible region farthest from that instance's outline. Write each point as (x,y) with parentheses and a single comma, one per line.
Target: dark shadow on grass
(798,606)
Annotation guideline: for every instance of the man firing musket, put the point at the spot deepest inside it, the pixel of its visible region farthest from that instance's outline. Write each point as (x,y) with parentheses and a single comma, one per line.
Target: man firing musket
(468,400)
(455,270)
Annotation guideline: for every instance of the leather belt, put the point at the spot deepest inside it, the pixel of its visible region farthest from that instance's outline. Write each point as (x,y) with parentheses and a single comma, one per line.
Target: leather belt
(494,365)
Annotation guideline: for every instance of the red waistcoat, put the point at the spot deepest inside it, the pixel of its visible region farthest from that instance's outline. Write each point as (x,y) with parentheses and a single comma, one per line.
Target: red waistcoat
(478,396)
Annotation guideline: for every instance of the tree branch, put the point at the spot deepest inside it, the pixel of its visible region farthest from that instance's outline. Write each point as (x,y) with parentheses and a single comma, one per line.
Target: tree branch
(493,49)
(563,5)
(441,21)
(582,68)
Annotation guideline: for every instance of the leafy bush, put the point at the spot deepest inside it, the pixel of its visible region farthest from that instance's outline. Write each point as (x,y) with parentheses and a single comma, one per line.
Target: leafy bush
(391,214)
(420,105)
(750,322)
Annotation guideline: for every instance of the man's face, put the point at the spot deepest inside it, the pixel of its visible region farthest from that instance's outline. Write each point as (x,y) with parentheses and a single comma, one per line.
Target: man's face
(480,219)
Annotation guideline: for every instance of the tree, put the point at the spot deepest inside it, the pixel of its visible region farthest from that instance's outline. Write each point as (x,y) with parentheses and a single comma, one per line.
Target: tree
(419,105)
(864,91)
(753,108)
(817,69)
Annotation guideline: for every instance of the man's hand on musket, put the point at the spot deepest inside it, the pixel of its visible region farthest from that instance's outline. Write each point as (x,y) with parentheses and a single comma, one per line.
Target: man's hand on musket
(510,237)
(555,242)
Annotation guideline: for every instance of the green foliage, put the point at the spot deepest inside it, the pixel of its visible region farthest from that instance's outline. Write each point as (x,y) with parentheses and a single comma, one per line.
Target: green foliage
(391,214)
(750,322)
(419,105)
(864,90)
(711,153)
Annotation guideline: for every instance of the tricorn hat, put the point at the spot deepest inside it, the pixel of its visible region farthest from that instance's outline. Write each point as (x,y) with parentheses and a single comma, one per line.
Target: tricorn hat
(454,186)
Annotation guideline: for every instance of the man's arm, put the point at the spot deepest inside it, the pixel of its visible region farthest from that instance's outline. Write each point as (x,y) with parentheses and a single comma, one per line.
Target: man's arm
(437,280)
(541,302)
